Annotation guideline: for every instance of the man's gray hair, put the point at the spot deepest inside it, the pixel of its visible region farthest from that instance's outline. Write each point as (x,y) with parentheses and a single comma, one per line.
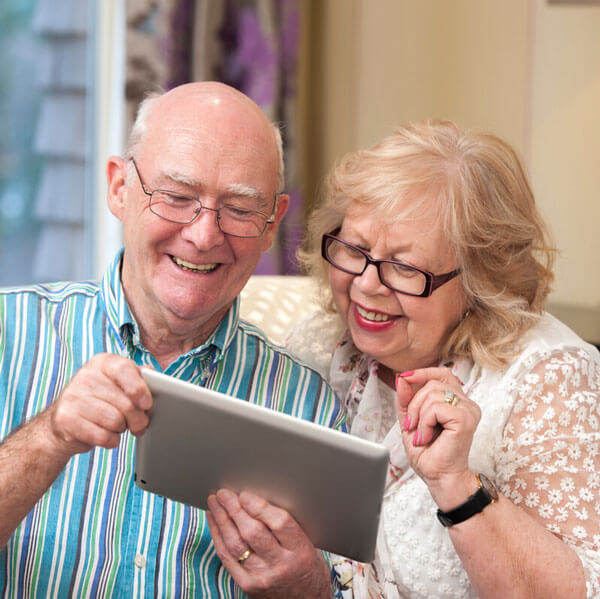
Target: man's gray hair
(140,127)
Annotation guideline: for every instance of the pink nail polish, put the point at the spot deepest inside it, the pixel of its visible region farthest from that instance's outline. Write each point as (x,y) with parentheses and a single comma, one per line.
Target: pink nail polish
(416,439)
(396,383)
(407,422)
(407,373)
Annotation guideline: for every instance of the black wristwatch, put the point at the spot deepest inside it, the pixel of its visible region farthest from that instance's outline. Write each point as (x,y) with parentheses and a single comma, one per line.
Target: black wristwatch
(486,494)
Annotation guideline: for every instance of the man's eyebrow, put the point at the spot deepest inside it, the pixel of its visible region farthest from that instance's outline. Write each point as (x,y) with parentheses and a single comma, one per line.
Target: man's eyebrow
(178,177)
(238,189)
(235,189)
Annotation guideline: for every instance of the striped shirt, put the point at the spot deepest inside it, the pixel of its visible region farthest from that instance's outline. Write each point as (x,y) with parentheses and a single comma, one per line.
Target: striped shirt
(94,533)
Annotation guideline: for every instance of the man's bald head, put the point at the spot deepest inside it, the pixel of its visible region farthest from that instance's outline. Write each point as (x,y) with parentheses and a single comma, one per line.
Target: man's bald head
(190,99)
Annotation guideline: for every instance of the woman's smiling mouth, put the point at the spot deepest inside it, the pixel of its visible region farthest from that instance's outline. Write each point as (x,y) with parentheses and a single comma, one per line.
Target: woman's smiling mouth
(373,316)
(372,321)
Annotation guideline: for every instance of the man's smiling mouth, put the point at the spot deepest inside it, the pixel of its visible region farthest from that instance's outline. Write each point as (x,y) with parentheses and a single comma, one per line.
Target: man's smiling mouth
(190,266)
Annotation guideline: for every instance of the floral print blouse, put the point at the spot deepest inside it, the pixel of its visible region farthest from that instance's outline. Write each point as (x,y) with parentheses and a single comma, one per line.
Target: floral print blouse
(538,440)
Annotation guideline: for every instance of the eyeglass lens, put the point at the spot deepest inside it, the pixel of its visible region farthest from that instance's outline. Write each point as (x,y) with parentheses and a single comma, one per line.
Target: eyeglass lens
(232,220)
(395,275)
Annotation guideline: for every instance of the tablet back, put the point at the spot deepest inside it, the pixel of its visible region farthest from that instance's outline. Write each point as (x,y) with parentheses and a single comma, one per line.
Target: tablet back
(199,441)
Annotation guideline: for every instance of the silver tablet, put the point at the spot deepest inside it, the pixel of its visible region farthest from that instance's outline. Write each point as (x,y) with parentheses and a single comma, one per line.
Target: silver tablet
(199,441)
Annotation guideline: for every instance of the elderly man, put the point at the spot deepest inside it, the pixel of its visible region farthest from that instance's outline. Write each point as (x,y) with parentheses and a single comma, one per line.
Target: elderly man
(198,197)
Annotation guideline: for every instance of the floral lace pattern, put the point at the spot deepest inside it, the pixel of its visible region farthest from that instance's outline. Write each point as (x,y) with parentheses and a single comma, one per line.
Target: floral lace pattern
(551,450)
(538,439)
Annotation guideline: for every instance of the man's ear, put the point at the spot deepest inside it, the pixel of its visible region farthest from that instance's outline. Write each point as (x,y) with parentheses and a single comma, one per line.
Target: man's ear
(283,202)
(116,176)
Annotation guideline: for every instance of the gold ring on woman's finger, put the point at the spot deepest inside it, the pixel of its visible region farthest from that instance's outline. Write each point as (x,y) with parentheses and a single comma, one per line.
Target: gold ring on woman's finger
(451,398)
(244,556)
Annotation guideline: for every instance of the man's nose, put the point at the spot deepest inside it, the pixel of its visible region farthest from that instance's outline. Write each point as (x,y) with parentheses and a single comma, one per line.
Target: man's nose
(204,231)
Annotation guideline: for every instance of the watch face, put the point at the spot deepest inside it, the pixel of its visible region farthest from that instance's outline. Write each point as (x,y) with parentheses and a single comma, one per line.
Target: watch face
(488,486)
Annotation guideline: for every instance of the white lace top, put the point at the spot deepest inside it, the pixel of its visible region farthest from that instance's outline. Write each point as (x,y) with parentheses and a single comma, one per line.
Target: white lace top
(538,440)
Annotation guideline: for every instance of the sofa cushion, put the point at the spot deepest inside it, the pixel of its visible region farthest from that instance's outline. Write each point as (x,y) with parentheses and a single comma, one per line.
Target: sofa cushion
(275,303)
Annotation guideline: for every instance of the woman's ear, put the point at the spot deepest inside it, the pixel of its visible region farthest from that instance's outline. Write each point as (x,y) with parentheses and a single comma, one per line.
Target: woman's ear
(116,176)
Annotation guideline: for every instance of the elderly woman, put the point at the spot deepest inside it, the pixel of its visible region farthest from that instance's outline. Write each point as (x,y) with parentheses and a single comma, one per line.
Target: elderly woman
(437,264)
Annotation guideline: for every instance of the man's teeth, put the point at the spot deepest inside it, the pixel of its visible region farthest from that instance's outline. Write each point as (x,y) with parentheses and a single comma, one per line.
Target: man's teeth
(376,316)
(194,267)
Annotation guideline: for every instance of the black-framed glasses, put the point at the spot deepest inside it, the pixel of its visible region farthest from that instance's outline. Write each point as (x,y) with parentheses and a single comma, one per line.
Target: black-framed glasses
(395,275)
(232,218)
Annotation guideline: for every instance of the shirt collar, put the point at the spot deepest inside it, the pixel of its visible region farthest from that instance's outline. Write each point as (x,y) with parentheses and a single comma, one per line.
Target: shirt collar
(125,329)
(118,315)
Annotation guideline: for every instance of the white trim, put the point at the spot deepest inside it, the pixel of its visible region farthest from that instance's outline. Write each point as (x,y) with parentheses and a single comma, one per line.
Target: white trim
(109,101)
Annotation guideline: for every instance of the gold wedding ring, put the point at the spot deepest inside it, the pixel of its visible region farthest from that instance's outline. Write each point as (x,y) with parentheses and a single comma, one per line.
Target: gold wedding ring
(244,556)
(451,398)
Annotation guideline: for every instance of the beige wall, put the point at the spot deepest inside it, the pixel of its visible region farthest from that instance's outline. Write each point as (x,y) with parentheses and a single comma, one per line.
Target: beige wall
(448,59)
(565,142)
(326,84)
(379,63)
(527,70)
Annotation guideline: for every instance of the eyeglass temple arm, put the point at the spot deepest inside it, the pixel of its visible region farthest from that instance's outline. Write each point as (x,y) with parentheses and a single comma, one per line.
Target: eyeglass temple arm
(271,218)
(439,280)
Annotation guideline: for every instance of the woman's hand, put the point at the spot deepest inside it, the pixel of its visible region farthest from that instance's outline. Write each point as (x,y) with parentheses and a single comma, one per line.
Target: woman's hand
(437,429)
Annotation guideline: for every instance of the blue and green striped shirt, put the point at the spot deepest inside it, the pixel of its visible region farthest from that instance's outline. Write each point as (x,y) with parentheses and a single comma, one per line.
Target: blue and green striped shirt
(94,533)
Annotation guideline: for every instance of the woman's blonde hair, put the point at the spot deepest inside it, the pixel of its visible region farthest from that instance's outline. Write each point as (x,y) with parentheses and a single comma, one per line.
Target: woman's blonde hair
(477,186)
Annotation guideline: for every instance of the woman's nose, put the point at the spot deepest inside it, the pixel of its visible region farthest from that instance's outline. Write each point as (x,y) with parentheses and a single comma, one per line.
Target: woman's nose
(369,281)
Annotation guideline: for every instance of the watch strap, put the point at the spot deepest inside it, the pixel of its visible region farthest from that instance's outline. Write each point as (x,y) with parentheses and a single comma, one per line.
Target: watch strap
(473,505)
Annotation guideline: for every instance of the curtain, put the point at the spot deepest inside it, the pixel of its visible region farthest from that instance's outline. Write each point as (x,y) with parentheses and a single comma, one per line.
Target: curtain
(148,35)
(253,46)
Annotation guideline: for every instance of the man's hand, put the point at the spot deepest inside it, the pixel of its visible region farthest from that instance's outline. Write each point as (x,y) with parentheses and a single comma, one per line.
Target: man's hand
(106,397)
(282,564)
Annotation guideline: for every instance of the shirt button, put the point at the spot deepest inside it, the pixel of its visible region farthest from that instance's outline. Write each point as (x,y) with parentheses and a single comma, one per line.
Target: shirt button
(140,561)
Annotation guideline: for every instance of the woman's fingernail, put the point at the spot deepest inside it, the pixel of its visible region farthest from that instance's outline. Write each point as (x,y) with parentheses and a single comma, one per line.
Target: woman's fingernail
(407,373)
(407,422)
(397,378)
(416,439)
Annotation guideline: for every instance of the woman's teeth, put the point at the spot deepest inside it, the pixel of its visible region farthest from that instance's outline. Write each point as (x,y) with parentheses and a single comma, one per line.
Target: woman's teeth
(375,316)
(203,268)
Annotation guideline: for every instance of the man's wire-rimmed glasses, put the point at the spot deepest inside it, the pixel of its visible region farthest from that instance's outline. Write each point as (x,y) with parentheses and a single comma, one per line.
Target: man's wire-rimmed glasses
(395,275)
(232,219)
